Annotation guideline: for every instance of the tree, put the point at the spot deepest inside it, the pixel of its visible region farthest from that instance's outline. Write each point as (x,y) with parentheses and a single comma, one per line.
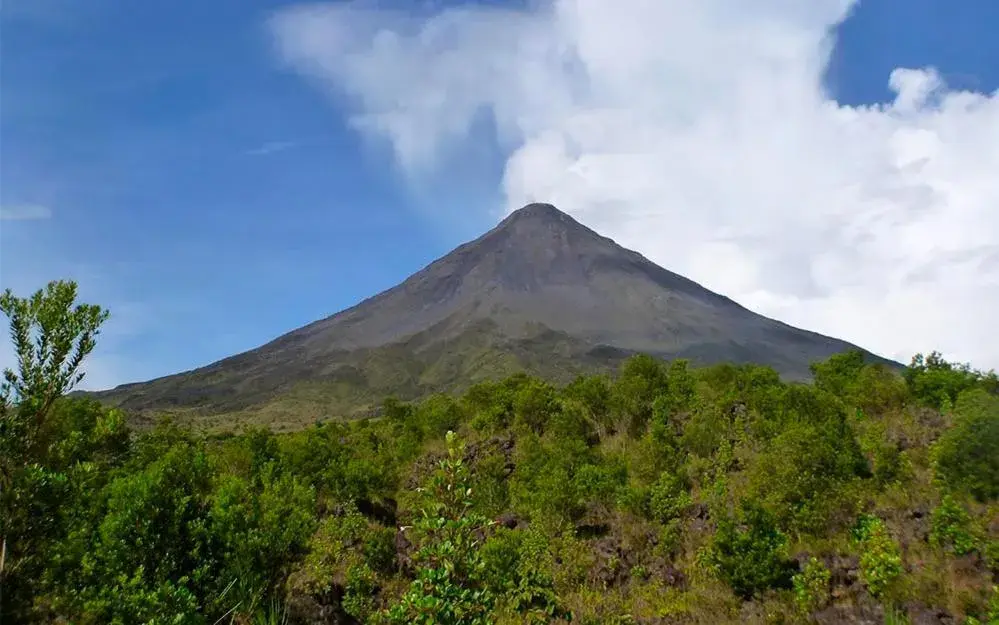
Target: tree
(839,373)
(51,338)
(935,381)
(51,335)
(641,380)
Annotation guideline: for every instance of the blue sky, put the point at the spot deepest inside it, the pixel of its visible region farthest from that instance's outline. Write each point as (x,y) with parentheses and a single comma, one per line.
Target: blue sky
(213,197)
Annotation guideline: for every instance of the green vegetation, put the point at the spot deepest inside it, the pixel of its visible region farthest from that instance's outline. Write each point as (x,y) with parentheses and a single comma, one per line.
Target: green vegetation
(811,585)
(663,494)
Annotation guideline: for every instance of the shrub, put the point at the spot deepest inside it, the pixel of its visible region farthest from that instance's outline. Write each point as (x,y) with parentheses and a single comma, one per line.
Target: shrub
(598,484)
(668,498)
(880,556)
(152,554)
(811,585)
(936,382)
(991,612)
(839,373)
(750,553)
(449,588)
(642,379)
(491,405)
(967,455)
(439,414)
(803,471)
(359,592)
(534,405)
(950,527)
(543,484)
(491,489)
(593,392)
(517,570)
(258,530)
(334,548)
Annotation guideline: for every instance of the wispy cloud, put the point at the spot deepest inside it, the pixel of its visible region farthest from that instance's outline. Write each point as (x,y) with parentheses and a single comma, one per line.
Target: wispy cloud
(24,212)
(272,147)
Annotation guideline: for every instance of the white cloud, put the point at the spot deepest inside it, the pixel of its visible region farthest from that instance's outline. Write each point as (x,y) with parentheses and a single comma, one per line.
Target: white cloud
(272,147)
(698,132)
(24,212)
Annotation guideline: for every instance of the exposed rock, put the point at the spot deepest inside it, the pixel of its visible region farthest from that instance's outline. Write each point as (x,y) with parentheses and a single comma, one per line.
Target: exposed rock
(920,614)
(306,606)
(844,573)
(700,517)
(863,611)
(311,610)
(614,564)
(510,520)
(404,551)
(383,511)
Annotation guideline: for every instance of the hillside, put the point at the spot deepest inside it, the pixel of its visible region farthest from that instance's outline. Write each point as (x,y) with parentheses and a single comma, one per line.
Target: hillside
(540,292)
(661,495)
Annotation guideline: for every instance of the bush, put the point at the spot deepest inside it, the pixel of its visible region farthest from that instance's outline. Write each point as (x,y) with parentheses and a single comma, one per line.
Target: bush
(641,381)
(668,498)
(152,553)
(839,374)
(991,613)
(950,527)
(450,587)
(544,485)
(598,484)
(534,405)
(967,455)
(259,530)
(880,556)
(490,405)
(593,392)
(516,569)
(936,382)
(340,543)
(811,586)
(750,553)
(439,414)
(802,473)
(491,490)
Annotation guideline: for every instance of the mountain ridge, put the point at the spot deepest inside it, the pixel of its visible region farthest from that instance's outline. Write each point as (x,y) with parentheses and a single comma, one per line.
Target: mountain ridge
(496,304)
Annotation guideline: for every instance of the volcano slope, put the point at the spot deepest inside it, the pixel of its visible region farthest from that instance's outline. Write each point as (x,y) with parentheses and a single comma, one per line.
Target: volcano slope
(539,293)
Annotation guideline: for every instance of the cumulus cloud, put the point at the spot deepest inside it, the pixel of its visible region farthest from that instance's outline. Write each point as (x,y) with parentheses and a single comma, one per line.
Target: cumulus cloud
(699,133)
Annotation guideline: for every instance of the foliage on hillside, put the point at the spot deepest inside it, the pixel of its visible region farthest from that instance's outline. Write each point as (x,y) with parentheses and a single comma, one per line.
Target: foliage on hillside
(664,494)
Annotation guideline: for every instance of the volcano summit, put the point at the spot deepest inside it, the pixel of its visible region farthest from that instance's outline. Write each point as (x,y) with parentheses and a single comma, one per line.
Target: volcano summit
(539,292)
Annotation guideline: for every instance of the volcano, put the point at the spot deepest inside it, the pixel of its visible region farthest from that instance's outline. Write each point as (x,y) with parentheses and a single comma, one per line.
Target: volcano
(539,293)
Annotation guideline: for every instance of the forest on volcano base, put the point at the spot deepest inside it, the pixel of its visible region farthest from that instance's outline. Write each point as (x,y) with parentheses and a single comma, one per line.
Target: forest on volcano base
(662,494)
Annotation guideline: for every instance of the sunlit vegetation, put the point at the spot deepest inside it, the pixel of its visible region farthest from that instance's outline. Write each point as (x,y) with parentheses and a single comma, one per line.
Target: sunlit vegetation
(665,494)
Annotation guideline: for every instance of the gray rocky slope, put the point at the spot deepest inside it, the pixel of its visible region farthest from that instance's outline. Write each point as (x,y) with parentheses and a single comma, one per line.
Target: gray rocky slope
(538,288)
